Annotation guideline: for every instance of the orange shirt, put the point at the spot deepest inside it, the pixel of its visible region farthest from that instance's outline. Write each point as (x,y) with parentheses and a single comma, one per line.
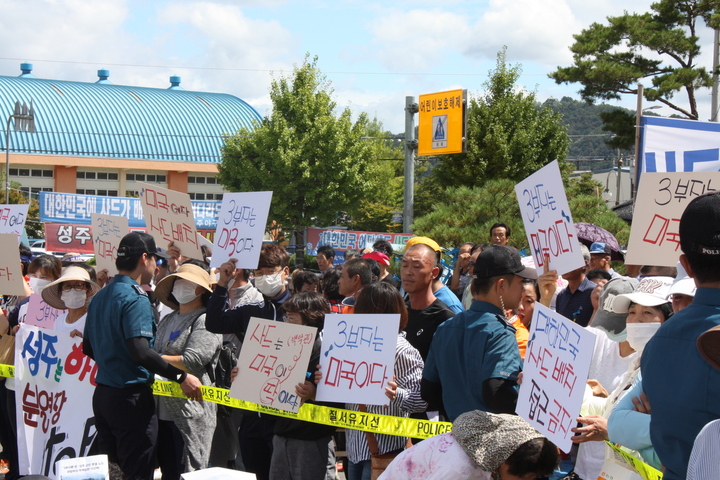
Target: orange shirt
(522,335)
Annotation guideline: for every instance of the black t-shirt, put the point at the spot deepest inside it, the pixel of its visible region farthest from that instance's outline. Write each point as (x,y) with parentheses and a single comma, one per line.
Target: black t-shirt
(423,323)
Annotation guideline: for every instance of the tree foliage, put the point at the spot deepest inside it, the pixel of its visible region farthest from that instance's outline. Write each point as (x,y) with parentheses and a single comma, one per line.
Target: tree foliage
(315,162)
(661,45)
(509,136)
(467,214)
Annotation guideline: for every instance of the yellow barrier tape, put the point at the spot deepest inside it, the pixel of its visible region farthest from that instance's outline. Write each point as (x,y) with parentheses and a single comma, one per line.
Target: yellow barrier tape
(308,412)
(643,469)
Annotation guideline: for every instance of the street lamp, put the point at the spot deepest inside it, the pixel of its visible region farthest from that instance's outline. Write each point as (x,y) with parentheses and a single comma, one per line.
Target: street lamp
(24,122)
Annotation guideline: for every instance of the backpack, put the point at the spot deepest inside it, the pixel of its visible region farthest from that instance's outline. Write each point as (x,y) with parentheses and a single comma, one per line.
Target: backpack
(220,373)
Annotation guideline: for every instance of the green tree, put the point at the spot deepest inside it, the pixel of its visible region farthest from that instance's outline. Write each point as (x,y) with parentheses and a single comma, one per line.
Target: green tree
(467,214)
(661,46)
(315,162)
(508,134)
(374,212)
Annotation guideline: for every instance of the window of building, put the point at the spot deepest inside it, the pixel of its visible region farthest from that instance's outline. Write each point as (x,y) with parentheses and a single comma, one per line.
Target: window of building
(131,193)
(130,176)
(112,176)
(24,172)
(162,178)
(13,172)
(48,174)
(150,178)
(211,180)
(102,175)
(139,177)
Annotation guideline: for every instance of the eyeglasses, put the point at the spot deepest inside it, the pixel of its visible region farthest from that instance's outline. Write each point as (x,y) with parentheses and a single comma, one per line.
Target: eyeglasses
(268,271)
(76,286)
(471,264)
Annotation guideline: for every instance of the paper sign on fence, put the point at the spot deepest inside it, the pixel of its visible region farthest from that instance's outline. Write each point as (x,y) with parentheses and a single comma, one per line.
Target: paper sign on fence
(107,231)
(660,202)
(169,218)
(240,228)
(40,314)
(54,385)
(12,219)
(274,358)
(357,357)
(557,362)
(11,278)
(547,219)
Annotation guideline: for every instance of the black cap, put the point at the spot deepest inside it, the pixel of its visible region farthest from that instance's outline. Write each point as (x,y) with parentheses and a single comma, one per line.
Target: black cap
(501,260)
(700,225)
(137,243)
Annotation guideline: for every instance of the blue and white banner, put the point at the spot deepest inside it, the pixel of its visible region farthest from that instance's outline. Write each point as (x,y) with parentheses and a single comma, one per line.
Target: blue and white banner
(78,209)
(674,145)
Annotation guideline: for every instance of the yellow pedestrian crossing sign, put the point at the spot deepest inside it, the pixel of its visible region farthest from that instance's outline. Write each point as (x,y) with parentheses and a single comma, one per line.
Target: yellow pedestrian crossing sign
(442,123)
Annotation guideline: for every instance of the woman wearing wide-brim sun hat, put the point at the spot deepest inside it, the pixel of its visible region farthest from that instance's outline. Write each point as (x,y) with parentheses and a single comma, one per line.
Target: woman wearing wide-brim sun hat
(183,341)
(71,292)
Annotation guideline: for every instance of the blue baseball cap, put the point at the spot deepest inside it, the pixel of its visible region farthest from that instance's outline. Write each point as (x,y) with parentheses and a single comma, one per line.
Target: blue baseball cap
(600,247)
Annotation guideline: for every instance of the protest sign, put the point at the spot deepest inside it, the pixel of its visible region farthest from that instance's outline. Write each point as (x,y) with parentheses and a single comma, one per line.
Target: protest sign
(660,202)
(169,218)
(357,357)
(273,360)
(65,237)
(678,145)
(557,362)
(54,385)
(107,231)
(547,219)
(240,228)
(40,314)
(12,219)
(11,278)
(341,240)
(83,468)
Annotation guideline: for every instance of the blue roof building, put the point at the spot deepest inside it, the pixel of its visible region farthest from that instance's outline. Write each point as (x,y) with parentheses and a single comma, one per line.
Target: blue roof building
(92,135)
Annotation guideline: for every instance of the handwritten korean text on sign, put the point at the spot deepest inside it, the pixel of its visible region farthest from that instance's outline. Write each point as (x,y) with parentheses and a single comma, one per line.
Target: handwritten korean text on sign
(660,202)
(54,388)
(12,219)
(547,219)
(169,218)
(273,360)
(240,229)
(107,231)
(557,362)
(357,357)
(40,314)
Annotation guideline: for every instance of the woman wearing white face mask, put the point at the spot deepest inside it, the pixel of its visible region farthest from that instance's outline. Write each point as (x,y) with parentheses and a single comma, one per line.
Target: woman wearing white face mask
(71,292)
(185,429)
(624,421)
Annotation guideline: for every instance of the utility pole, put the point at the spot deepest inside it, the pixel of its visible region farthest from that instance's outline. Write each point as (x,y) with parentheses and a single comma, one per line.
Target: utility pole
(411,108)
(638,118)
(25,122)
(716,77)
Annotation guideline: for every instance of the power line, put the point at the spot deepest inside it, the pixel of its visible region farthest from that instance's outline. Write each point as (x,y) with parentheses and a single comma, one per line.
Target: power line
(222,69)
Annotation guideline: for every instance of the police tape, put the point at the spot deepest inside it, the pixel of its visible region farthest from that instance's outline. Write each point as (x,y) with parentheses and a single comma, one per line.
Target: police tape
(308,412)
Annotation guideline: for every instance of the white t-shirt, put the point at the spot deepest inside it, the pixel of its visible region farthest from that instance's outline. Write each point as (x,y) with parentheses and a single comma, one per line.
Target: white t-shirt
(61,324)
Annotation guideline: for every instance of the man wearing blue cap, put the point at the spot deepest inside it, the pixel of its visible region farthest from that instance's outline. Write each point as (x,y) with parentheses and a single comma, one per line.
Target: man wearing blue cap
(600,258)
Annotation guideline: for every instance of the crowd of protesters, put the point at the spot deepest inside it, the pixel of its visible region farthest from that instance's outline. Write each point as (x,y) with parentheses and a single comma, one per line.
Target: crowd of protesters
(653,387)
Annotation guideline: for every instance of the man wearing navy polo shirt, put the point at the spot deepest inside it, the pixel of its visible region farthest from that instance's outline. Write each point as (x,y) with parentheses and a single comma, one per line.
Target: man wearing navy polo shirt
(474,359)
(119,336)
(682,388)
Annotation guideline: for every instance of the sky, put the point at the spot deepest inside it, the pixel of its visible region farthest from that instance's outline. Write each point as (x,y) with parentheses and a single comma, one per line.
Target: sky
(374,53)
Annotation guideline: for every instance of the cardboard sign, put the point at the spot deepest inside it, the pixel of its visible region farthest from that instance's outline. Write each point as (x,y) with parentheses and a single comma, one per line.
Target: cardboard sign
(107,231)
(357,357)
(169,218)
(12,219)
(273,360)
(54,385)
(660,202)
(547,219)
(40,314)
(95,468)
(241,227)
(557,362)
(11,278)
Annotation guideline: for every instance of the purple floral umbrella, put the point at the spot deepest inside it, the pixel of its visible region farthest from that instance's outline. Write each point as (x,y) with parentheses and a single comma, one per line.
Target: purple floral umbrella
(589,233)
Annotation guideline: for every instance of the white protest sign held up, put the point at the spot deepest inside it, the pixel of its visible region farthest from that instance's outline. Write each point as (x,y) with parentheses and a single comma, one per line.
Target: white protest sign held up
(169,218)
(54,385)
(557,362)
(660,202)
(240,228)
(82,468)
(273,360)
(11,278)
(40,314)
(12,219)
(107,231)
(547,219)
(357,358)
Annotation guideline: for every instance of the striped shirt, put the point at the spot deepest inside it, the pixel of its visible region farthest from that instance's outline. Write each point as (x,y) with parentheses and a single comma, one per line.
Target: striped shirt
(705,456)
(408,370)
